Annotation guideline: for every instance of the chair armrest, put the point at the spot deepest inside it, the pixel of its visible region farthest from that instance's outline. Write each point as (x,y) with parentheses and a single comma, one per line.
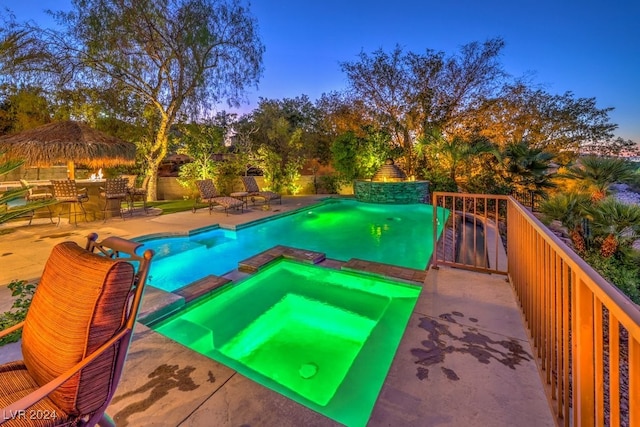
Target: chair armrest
(11,329)
(34,397)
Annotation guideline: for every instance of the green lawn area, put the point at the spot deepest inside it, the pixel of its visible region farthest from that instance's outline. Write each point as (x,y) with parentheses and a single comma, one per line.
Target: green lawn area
(173,206)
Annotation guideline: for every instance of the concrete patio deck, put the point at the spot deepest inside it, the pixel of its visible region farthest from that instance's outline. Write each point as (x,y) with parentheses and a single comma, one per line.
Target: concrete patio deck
(464,359)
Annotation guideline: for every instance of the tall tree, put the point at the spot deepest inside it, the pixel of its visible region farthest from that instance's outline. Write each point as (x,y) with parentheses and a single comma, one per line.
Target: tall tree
(412,94)
(560,124)
(172,57)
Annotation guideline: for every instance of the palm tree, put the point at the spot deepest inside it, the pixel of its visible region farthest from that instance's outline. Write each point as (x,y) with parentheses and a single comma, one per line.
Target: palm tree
(600,172)
(527,169)
(616,222)
(568,208)
(456,154)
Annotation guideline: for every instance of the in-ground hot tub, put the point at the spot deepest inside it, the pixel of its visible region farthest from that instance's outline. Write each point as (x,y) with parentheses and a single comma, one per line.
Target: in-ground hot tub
(390,186)
(322,337)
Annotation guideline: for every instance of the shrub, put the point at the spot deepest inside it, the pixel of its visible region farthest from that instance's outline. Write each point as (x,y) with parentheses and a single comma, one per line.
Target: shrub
(329,184)
(23,292)
(619,270)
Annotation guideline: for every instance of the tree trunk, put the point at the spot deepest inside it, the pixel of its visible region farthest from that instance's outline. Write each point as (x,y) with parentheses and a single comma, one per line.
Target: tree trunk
(152,188)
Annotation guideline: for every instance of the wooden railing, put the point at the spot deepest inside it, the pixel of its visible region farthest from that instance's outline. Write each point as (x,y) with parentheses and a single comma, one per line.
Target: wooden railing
(584,331)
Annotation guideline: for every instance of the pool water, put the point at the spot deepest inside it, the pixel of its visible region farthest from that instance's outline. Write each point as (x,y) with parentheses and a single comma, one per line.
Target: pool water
(324,338)
(342,229)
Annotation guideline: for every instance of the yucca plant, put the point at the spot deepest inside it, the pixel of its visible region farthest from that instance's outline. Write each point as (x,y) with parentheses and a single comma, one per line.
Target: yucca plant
(569,209)
(615,223)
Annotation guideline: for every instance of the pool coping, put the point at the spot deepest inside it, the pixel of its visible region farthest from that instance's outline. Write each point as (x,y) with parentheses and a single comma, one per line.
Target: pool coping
(162,304)
(232,227)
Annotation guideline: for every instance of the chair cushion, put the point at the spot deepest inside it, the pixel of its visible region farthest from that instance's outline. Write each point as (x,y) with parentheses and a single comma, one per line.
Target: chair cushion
(16,384)
(79,304)
(268,195)
(228,202)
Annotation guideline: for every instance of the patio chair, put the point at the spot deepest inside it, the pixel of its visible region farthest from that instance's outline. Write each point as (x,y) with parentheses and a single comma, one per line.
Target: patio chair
(114,192)
(208,193)
(138,192)
(76,335)
(251,186)
(36,194)
(66,191)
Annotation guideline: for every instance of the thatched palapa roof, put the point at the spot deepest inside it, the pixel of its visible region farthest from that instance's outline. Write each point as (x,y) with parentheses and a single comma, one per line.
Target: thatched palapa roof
(67,141)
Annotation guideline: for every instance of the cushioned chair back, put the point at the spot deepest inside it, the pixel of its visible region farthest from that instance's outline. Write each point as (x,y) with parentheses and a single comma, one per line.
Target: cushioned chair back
(250,184)
(80,302)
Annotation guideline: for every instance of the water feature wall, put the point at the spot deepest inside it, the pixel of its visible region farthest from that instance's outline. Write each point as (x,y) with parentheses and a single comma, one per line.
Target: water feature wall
(400,192)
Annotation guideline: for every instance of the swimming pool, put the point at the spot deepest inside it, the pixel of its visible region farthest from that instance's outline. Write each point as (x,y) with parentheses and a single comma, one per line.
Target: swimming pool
(324,338)
(342,229)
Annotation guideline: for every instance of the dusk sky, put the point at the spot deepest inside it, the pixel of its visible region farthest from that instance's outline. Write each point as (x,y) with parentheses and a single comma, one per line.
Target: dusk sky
(588,47)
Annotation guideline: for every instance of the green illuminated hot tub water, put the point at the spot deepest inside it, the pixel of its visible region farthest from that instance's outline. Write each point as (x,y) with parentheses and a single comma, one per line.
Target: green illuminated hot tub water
(325,338)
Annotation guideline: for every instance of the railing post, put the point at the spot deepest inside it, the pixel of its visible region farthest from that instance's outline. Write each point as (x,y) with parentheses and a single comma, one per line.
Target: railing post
(583,355)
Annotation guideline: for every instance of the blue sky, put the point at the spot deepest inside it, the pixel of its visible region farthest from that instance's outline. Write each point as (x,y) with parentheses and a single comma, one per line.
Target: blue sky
(588,47)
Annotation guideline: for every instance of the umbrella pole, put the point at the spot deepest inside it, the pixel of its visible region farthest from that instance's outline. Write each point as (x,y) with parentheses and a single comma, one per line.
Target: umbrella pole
(71,170)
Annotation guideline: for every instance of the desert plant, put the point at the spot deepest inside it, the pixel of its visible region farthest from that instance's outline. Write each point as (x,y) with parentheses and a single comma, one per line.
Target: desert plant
(568,208)
(598,173)
(614,223)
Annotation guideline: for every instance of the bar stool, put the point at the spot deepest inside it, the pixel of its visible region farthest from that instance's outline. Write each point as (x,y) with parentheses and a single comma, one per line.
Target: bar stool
(66,191)
(114,189)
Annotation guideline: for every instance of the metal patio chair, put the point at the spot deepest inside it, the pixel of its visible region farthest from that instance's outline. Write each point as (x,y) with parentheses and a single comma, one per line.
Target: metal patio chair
(66,191)
(76,335)
(251,186)
(137,192)
(208,193)
(115,189)
(37,194)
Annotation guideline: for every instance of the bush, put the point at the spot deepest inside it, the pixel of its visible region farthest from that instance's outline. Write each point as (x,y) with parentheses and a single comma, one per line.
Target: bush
(18,312)
(329,184)
(440,181)
(620,270)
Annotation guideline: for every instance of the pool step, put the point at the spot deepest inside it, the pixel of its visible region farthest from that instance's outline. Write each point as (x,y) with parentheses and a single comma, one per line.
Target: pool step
(255,263)
(386,270)
(201,287)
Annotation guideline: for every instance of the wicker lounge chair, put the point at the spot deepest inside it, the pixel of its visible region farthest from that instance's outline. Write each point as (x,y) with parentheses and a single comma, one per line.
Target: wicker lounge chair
(208,193)
(75,336)
(251,186)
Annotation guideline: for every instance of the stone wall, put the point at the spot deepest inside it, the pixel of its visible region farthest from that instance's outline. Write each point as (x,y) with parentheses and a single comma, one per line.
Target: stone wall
(404,192)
